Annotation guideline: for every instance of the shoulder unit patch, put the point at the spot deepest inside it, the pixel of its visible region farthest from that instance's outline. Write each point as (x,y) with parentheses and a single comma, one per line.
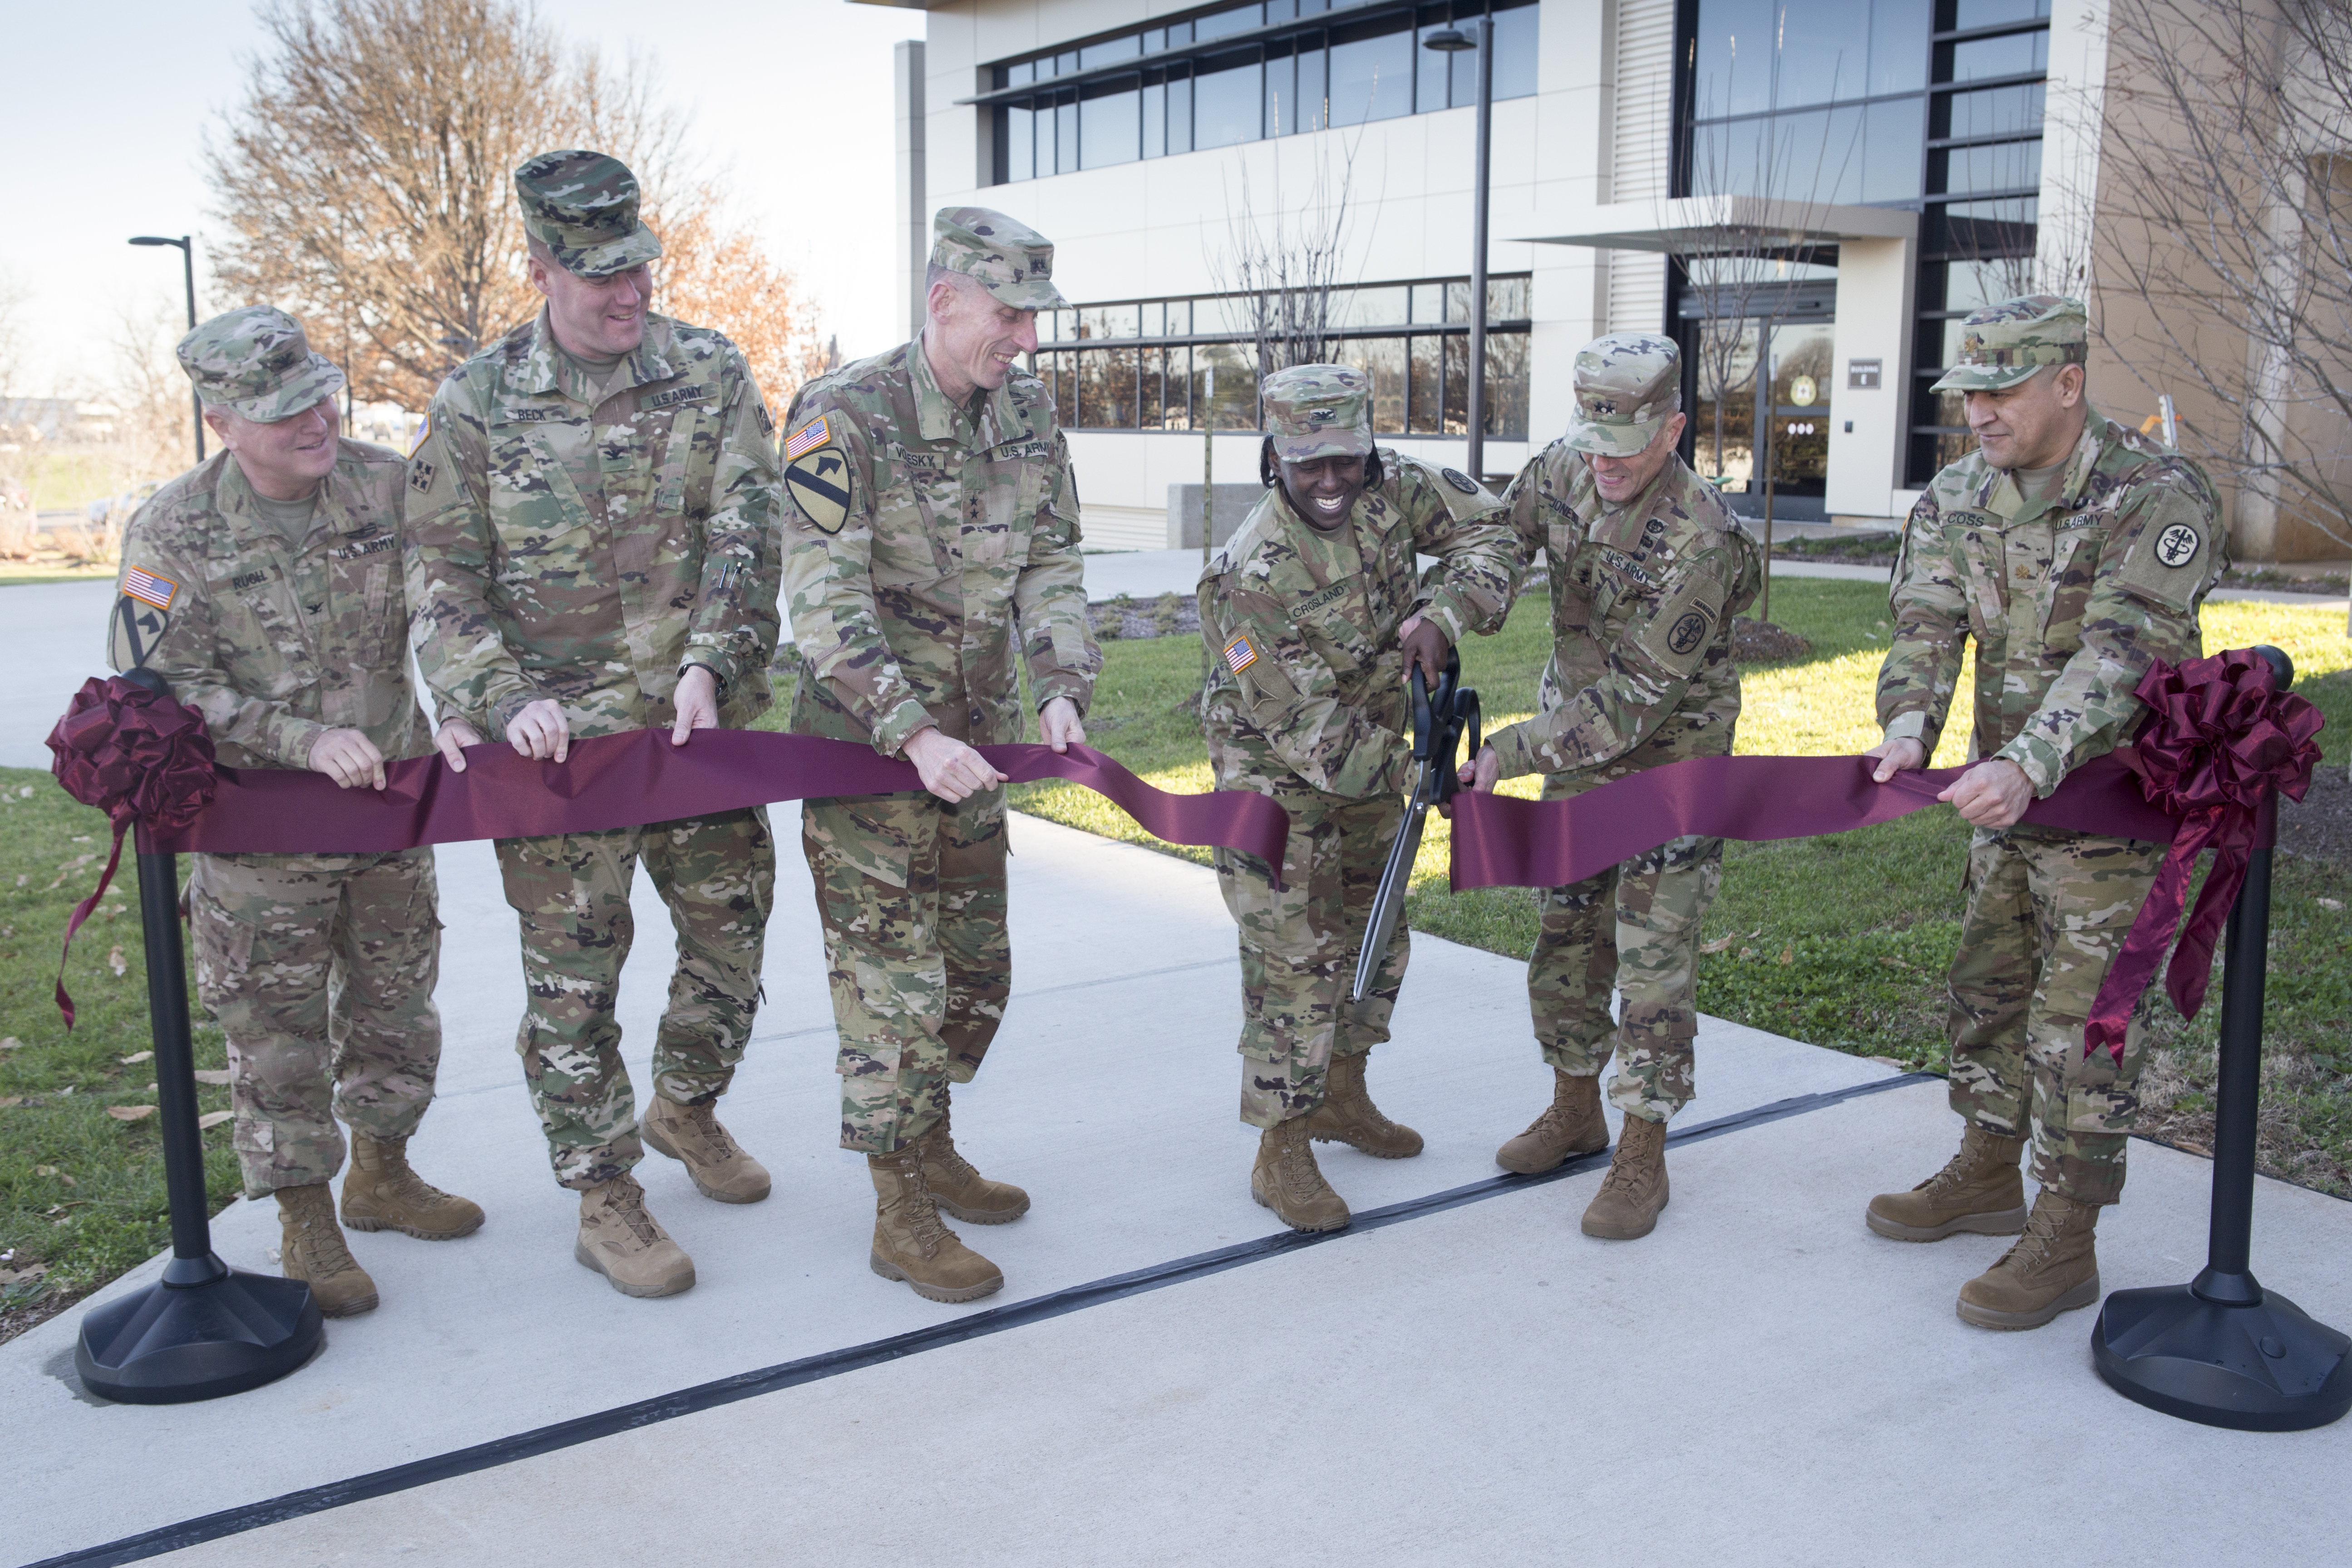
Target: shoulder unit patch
(821,486)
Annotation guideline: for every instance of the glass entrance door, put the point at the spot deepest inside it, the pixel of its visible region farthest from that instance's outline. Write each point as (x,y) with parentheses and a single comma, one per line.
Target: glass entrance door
(1744,367)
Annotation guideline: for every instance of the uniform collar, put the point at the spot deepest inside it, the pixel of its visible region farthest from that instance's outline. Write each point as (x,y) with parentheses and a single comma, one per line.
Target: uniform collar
(541,370)
(1999,493)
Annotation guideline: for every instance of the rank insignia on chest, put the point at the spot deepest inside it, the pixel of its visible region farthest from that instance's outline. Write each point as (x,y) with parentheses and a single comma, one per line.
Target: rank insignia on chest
(815,433)
(820,485)
(148,589)
(1240,654)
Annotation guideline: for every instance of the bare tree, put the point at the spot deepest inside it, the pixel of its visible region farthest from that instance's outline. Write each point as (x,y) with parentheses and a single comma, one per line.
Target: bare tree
(367,180)
(1284,260)
(2224,271)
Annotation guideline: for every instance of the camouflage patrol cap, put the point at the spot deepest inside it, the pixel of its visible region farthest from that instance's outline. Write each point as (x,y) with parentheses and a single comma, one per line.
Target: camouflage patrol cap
(1625,388)
(584,207)
(2002,345)
(1012,260)
(1319,411)
(254,362)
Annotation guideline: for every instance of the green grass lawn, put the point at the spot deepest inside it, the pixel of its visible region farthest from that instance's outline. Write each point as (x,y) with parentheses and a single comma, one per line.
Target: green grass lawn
(1842,940)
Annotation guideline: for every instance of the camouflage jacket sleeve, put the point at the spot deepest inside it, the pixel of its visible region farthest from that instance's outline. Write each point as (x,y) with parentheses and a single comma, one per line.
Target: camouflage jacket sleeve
(828,589)
(733,628)
(1927,603)
(1050,597)
(2141,609)
(450,554)
(185,653)
(1648,663)
(1470,533)
(1290,696)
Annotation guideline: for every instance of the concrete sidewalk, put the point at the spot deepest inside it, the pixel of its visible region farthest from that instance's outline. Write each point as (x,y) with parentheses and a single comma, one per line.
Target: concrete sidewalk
(1474,1380)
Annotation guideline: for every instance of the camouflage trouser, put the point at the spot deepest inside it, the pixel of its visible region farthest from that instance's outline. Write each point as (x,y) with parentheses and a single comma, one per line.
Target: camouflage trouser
(1631,930)
(2047,913)
(321,969)
(718,875)
(910,889)
(1299,942)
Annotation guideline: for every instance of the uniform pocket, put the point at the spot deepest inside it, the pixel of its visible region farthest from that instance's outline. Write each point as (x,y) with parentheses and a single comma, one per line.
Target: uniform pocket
(223,947)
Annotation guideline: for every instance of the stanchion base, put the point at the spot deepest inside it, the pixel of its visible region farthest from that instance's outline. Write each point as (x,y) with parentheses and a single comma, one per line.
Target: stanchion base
(2265,1367)
(172,1344)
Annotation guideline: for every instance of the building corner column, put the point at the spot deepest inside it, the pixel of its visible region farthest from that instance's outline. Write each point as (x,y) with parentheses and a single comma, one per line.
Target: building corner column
(913,195)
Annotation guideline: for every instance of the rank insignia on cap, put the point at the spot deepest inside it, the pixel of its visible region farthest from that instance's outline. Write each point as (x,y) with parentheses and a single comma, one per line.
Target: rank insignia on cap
(148,589)
(815,433)
(820,485)
(1239,655)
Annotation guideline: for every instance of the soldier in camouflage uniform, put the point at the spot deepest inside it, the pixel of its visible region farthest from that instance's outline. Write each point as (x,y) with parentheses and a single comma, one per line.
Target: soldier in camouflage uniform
(931,547)
(588,523)
(1648,569)
(264,586)
(1311,614)
(2076,552)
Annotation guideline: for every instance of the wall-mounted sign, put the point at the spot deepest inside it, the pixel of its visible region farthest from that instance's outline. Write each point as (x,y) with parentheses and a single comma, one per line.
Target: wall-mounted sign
(1803,391)
(1862,374)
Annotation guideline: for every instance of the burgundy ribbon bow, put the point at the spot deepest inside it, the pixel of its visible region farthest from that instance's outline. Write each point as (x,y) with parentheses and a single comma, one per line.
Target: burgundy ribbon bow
(2222,743)
(138,756)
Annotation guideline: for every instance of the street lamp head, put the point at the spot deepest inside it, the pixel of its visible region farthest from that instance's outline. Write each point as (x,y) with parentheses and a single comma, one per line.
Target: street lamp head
(157,239)
(1449,40)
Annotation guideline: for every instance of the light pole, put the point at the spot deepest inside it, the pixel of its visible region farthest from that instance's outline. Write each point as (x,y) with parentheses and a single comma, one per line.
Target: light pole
(188,267)
(1480,35)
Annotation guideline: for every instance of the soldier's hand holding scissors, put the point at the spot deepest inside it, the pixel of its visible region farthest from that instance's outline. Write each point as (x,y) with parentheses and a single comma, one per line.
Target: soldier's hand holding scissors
(1424,646)
(541,731)
(951,769)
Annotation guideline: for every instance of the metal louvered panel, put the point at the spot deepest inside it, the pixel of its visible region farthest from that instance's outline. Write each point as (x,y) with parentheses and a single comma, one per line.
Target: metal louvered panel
(1642,145)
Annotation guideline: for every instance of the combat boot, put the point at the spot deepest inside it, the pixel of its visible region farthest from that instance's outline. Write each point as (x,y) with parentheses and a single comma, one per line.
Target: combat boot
(627,1245)
(1978,1191)
(1571,1126)
(381,1193)
(1626,1207)
(2053,1269)
(1286,1180)
(310,1247)
(910,1241)
(1349,1116)
(963,1191)
(691,1135)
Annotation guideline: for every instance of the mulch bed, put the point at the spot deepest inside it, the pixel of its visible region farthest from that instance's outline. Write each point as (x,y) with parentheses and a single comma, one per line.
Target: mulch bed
(1763,642)
(2320,827)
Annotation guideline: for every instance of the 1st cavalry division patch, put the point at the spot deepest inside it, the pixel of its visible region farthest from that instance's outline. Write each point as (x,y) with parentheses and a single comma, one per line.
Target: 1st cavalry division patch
(821,486)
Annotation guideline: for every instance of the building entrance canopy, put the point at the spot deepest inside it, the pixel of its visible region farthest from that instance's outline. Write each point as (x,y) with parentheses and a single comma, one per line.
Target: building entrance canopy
(1711,226)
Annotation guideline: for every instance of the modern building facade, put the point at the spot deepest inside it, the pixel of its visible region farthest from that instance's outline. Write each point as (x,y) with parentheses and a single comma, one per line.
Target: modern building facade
(1809,197)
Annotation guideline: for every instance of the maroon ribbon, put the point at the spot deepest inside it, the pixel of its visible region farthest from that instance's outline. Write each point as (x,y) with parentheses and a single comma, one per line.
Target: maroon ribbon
(620,781)
(138,756)
(2221,743)
(1502,842)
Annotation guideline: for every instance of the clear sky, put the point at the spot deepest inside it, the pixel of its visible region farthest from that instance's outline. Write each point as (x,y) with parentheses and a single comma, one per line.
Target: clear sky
(105,108)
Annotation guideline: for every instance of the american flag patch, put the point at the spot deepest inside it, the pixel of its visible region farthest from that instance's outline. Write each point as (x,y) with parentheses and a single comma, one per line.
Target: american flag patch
(1239,655)
(815,433)
(148,589)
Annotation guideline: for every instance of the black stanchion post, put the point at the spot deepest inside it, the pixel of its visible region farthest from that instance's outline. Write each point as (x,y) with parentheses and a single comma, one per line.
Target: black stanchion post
(2222,1350)
(205,1330)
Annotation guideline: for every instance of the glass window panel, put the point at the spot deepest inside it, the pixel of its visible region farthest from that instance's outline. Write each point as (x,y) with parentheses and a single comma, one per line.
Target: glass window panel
(1424,411)
(1998,166)
(1176,381)
(1124,377)
(1154,40)
(1155,316)
(1968,14)
(1020,137)
(1110,52)
(1066,387)
(1225,386)
(1179,114)
(1180,318)
(1506,386)
(1824,51)
(1281,91)
(1368,307)
(1970,285)
(1890,150)
(1020,75)
(1148,415)
(1515,56)
(1507,299)
(1430,93)
(1065,138)
(1064,63)
(1313,101)
(1983,229)
(1372,77)
(1800,431)
(1991,111)
(1109,126)
(1733,73)
(1383,360)
(1179,33)
(1226,106)
(1899,46)
(1155,119)
(1222,313)
(1239,19)
(1458,386)
(1313,7)
(1457,301)
(1724,415)
(1428,304)
(2013,54)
